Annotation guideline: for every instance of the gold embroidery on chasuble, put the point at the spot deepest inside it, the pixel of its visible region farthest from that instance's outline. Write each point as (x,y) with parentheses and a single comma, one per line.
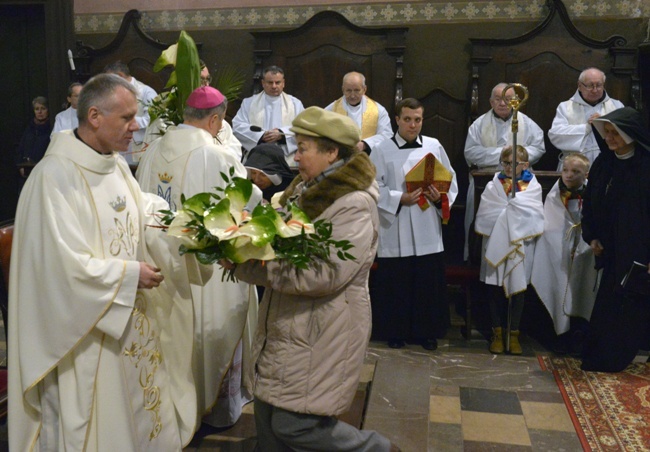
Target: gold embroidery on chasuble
(369,120)
(144,354)
(141,354)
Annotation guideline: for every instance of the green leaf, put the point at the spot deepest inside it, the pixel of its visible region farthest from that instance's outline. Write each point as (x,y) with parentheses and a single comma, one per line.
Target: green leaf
(197,203)
(188,69)
(238,191)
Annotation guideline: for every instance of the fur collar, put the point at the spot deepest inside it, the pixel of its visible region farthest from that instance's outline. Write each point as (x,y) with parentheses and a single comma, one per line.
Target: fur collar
(358,173)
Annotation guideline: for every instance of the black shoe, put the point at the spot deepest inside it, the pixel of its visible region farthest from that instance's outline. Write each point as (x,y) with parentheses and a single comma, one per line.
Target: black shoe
(396,343)
(429,344)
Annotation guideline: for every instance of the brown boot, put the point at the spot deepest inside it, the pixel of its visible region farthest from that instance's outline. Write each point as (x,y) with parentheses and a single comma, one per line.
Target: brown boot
(515,347)
(496,346)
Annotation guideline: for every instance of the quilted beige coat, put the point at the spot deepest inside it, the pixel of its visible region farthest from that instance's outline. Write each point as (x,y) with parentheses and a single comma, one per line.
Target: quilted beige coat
(314,325)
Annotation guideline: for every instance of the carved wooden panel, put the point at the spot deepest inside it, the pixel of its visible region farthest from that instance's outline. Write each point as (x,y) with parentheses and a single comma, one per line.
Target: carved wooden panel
(133,46)
(446,119)
(548,61)
(316,55)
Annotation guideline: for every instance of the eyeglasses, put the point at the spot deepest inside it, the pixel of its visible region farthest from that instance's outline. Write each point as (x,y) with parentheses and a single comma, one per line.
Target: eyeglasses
(498,100)
(594,86)
(509,164)
(205,81)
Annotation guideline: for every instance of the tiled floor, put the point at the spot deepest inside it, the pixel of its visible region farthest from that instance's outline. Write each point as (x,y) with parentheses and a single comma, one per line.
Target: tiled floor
(459,397)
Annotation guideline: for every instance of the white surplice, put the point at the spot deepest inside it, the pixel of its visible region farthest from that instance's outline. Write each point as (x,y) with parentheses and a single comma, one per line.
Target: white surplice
(187,161)
(509,228)
(87,367)
(266,113)
(65,120)
(407,230)
(571,131)
(563,269)
(383,129)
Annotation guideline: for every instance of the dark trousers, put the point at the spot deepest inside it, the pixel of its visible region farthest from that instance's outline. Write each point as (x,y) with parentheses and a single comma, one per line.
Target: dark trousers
(499,309)
(280,430)
(409,298)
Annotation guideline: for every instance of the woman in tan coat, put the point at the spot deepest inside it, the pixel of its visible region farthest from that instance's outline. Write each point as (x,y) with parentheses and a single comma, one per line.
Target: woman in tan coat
(314,325)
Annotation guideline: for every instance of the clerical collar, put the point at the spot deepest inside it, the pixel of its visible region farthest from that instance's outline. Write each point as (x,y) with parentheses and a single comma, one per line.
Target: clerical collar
(403,144)
(595,103)
(76,134)
(500,118)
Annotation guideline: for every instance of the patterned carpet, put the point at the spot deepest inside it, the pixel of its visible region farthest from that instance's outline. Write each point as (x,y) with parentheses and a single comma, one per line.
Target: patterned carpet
(610,411)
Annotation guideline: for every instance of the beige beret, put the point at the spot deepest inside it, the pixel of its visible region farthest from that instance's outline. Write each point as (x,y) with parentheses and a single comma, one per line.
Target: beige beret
(316,122)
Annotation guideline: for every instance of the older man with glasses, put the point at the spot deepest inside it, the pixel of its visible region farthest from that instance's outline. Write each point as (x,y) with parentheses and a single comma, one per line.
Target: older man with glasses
(489,135)
(571,130)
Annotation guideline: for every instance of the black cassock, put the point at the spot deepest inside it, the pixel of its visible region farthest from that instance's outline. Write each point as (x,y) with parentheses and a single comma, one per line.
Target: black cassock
(616,211)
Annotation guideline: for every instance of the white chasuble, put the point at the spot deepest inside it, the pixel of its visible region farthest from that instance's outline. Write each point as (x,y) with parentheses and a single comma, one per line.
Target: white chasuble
(187,161)
(86,370)
(563,269)
(137,375)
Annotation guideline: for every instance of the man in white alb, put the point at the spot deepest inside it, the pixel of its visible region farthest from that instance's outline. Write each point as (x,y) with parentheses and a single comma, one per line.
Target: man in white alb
(486,138)
(266,117)
(370,116)
(571,130)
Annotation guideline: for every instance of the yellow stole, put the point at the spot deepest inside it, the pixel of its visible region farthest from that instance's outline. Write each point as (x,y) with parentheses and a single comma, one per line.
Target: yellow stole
(369,119)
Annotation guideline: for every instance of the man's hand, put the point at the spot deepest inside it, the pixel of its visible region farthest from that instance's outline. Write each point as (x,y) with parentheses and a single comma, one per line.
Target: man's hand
(432,194)
(408,199)
(596,247)
(149,276)
(271,136)
(361,146)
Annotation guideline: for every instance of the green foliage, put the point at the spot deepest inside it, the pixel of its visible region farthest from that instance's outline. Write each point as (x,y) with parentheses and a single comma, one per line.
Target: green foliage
(307,246)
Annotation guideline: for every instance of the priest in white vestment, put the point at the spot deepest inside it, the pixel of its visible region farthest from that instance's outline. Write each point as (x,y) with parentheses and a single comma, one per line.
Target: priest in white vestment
(486,138)
(91,366)
(563,268)
(186,160)
(67,119)
(266,117)
(371,117)
(571,129)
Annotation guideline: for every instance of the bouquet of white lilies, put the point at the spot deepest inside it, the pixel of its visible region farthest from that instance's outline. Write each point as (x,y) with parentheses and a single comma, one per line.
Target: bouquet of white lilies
(217,226)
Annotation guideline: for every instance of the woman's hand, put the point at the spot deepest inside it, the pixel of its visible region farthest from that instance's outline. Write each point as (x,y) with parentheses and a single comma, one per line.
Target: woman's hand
(225,263)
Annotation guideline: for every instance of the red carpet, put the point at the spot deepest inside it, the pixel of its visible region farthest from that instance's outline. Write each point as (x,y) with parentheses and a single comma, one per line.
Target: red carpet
(610,411)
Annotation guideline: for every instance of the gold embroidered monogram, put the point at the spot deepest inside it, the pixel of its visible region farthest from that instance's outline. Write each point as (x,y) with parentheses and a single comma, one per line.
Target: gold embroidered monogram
(124,236)
(144,354)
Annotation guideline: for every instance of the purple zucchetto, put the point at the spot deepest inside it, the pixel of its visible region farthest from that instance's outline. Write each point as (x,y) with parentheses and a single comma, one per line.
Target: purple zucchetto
(205,97)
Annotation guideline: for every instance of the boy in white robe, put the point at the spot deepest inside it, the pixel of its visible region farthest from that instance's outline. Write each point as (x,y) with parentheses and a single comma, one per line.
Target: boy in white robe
(568,290)
(509,227)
